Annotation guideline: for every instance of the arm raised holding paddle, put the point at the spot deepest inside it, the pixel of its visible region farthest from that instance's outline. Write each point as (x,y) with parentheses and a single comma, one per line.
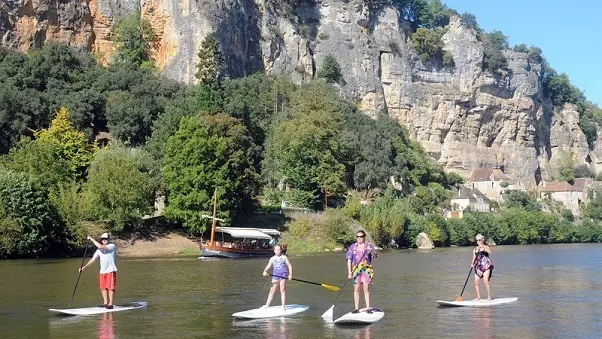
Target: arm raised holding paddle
(107,253)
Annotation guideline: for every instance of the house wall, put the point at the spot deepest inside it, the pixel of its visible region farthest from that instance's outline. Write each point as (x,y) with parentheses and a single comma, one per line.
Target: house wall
(491,189)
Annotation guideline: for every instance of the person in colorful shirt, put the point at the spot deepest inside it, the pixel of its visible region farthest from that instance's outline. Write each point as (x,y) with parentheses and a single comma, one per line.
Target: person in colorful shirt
(282,271)
(483,266)
(108,270)
(359,267)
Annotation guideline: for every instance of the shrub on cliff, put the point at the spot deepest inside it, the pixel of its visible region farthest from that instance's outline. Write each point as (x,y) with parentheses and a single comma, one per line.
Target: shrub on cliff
(134,38)
(330,70)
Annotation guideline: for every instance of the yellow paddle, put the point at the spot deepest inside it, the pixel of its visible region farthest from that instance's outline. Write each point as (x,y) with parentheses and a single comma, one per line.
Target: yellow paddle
(328,287)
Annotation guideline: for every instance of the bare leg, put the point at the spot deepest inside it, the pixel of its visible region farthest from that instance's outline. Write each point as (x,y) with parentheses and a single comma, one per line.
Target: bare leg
(104,296)
(486,281)
(476,287)
(283,292)
(271,295)
(367,294)
(356,295)
(111,296)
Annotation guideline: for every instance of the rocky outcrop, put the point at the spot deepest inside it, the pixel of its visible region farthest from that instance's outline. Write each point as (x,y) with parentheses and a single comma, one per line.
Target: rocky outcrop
(424,242)
(463,116)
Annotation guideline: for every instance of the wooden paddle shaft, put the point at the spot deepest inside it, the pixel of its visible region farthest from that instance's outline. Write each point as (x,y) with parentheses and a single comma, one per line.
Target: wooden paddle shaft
(79,274)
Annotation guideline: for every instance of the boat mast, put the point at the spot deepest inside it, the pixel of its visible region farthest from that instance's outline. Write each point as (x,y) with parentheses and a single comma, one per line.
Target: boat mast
(214,219)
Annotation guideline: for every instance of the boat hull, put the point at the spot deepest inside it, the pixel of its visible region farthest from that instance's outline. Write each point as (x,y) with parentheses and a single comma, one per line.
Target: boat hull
(233,253)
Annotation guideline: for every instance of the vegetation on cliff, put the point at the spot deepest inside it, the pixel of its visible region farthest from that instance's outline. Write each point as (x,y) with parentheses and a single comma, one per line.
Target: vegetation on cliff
(259,140)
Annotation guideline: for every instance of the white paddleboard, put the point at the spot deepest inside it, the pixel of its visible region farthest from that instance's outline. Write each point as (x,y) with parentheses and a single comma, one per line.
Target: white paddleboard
(362,317)
(271,312)
(99,310)
(476,303)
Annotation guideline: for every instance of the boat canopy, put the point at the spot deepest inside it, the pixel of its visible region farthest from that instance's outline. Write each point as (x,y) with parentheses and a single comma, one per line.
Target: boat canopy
(269,231)
(241,232)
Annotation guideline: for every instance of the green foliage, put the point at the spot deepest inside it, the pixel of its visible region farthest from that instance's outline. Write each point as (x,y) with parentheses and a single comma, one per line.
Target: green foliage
(315,232)
(521,48)
(520,199)
(70,144)
(74,208)
(209,152)
(134,38)
(192,100)
(566,166)
(567,214)
(470,21)
(434,14)
(330,70)
(40,160)
(209,68)
(493,58)
(121,187)
(306,148)
(428,44)
(29,224)
(562,91)
(583,171)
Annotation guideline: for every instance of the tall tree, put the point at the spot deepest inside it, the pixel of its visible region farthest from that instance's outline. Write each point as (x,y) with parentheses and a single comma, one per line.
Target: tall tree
(210,66)
(71,144)
(134,38)
(208,152)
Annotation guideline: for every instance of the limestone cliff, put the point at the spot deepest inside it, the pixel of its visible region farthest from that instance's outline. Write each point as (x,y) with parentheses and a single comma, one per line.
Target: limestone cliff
(463,115)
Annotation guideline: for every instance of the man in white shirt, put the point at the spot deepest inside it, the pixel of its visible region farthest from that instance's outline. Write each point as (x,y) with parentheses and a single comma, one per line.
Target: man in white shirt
(108,271)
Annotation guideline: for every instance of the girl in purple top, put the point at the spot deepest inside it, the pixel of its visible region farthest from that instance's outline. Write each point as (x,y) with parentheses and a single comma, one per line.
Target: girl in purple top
(359,256)
(280,263)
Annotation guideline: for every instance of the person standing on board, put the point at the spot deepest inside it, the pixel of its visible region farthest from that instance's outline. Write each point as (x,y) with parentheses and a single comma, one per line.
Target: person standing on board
(482,265)
(108,271)
(359,267)
(280,274)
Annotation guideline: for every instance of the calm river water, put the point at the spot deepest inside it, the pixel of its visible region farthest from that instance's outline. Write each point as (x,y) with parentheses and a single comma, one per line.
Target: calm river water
(558,286)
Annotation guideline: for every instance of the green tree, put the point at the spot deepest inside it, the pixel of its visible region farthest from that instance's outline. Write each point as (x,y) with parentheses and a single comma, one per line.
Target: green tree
(434,14)
(29,225)
(520,199)
(470,21)
(330,70)
(134,38)
(428,44)
(70,144)
(208,152)
(566,165)
(120,186)
(306,147)
(40,160)
(210,66)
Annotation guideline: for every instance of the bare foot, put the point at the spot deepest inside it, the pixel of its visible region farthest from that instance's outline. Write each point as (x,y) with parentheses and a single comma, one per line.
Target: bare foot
(265,306)
(488,298)
(283,307)
(477,298)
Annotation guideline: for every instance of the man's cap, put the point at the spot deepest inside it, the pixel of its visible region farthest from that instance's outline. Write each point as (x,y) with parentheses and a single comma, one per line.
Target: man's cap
(104,236)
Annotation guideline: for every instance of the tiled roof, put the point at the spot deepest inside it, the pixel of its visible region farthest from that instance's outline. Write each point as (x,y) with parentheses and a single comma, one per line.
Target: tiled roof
(485,174)
(472,194)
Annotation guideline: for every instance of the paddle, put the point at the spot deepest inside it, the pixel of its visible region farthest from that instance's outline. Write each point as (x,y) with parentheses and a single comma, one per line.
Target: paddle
(466,282)
(79,274)
(329,314)
(328,287)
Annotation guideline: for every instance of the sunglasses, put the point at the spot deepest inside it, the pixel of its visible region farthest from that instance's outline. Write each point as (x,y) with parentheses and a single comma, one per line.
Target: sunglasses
(360,236)
(479,239)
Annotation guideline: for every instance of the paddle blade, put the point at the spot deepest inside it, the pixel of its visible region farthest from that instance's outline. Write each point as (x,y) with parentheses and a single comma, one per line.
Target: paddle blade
(459,298)
(329,314)
(330,287)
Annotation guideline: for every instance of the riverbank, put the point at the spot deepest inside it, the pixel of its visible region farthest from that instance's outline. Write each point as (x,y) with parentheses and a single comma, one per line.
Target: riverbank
(164,245)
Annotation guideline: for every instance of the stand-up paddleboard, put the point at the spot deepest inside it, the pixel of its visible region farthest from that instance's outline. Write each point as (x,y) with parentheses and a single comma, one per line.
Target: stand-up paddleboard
(362,317)
(271,312)
(476,303)
(100,310)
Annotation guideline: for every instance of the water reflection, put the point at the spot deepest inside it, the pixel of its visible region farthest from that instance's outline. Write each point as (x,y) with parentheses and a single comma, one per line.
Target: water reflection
(483,323)
(106,327)
(276,329)
(364,333)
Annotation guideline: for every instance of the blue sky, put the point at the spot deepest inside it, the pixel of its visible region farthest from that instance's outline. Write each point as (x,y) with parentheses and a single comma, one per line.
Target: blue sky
(568,32)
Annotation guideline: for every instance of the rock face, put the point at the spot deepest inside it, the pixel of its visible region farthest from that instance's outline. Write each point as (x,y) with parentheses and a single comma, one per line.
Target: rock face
(464,116)
(424,242)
